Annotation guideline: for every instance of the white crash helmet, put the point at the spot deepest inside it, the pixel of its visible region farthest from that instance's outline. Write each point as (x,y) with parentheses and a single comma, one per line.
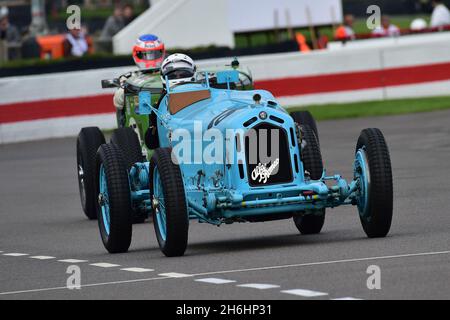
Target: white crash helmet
(178,68)
(418,24)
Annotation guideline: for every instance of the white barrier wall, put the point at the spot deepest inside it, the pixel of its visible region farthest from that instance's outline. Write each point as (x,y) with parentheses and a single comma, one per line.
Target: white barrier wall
(58,105)
(181,24)
(257,15)
(191,23)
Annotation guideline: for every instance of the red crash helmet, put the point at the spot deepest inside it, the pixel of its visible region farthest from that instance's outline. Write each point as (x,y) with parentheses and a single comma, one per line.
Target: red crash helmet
(149,52)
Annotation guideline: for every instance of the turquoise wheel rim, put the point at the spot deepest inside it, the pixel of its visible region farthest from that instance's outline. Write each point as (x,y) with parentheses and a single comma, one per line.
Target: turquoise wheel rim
(104,205)
(362,173)
(160,210)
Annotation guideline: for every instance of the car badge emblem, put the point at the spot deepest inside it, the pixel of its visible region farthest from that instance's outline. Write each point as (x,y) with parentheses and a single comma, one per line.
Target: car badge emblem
(263,173)
(263,115)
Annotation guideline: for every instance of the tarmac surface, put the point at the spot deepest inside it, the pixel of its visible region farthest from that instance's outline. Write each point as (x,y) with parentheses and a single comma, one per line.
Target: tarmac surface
(44,233)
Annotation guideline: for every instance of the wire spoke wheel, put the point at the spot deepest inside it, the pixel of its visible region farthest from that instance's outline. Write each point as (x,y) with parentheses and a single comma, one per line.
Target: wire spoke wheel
(373,172)
(160,209)
(362,175)
(104,200)
(170,214)
(115,215)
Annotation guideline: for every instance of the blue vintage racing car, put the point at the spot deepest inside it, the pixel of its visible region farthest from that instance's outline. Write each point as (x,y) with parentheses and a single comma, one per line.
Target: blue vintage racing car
(135,150)
(223,156)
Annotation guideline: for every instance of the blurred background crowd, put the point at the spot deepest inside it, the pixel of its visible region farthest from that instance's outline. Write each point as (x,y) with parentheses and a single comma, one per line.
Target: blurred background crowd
(36,29)
(32,29)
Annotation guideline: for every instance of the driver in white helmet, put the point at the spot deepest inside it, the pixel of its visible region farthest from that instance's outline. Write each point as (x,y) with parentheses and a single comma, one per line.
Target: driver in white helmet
(178,68)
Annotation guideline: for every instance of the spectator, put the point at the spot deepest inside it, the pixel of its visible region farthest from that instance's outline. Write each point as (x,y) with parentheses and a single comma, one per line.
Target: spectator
(128,14)
(386,29)
(8,32)
(10,35)
(76,44)
(114,24)
(440,16)
(345,32)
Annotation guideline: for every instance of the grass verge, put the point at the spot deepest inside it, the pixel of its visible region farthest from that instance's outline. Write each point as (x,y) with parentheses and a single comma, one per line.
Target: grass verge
(376,108)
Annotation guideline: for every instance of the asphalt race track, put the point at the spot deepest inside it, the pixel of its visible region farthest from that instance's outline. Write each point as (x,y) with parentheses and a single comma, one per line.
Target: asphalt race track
(43,231)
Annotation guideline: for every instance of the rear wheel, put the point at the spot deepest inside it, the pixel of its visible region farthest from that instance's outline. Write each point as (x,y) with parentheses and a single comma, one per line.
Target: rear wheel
(311,222)
(88,142)
(114,201)
(310,154)
(170,215)
(305,118)
(127,140)
(374,173)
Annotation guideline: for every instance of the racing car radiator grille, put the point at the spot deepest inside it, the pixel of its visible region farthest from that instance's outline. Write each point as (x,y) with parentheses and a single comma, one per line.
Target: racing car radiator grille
(267,155)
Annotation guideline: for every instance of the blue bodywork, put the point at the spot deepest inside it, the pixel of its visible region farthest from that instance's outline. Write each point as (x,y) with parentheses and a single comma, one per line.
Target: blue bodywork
(219,193)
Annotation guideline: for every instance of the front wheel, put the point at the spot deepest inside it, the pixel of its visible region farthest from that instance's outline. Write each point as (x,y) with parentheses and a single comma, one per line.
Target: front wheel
(373,172)
(114,201)
(170,215)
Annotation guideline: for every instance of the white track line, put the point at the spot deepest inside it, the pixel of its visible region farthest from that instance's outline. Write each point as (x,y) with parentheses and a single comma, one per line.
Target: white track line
(215,280)
(174,275)
(104,265)
(241,270)
(14,254)
(309,264)
(139,270)
(101,284)
(260,286)
(72,261)
(346,299)
(305,293)
(42,257)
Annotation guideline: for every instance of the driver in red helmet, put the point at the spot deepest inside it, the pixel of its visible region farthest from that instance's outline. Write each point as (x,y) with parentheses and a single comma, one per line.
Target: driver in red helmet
(148,53)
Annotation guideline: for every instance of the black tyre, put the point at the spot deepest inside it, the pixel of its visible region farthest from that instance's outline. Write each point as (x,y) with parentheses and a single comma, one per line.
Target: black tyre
(170,215)
(310,154)
(373,162)
(305,118)
(114,202)
(88,142)
(311,222)
(127,140)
